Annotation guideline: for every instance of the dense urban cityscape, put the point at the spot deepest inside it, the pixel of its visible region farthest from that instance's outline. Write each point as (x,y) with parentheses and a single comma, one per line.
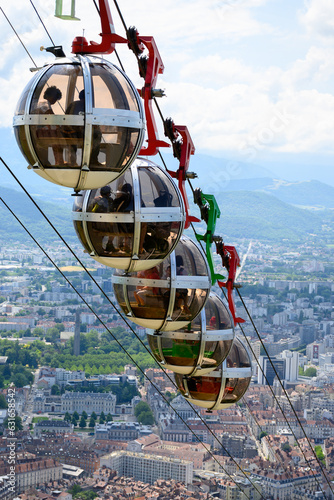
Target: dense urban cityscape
(90,424)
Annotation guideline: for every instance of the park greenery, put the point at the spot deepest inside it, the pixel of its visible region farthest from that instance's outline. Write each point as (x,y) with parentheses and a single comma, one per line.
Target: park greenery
(144,414)
(98,355)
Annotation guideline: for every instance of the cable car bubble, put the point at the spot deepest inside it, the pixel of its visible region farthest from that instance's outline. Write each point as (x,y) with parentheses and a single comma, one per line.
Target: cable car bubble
(168,296)
(79,122)
(222,387)
(134,222)
(201,346)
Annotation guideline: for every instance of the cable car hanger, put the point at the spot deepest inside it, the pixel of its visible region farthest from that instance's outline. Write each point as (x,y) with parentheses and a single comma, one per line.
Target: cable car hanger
(210,212)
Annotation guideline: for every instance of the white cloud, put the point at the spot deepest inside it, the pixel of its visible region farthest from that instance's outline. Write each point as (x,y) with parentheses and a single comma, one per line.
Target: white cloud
(318,18)
(225,103)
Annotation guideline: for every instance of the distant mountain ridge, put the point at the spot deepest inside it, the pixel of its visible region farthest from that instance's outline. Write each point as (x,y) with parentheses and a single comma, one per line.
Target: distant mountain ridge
(307,194)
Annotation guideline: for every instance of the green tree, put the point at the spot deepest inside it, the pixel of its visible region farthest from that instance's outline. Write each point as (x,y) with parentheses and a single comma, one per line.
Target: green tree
(18,423)
(286,447)
(146,418)
(3,402)
(67,417)
(144,413)
(76,488)
(93,415)
(82,423)
(310,372)
(320,454)
(55,390)
(92,422)
(84,415)
(76,415)
(109,418)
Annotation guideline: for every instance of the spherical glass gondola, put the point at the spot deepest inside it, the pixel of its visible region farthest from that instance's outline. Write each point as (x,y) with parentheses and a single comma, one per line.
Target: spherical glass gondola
(79,122)
(200,347)
(133,223)
(223,387)
(170,295)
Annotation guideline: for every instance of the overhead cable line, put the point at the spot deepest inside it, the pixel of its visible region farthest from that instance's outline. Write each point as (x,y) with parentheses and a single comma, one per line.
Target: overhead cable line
(275,452)
(159,153)
(10,24)
(160,113)
(127,353)
(189,182)
(286,394)
(39,17)
(126,322)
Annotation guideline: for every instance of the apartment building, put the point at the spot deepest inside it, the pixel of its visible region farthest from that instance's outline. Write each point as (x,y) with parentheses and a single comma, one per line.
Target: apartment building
(148,468)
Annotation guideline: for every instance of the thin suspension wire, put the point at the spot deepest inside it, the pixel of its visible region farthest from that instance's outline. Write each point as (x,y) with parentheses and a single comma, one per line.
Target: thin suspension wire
(266,437)
(10,24)
(115,51)
(279,404)
(285,393)
(189,182)
(39,17)
(274,395)
(158,108)
(129,326)
(126,352)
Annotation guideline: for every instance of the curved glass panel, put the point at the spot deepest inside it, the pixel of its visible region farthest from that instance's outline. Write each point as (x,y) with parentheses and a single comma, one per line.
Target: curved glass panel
(238,356)
(112,147)
(110,238)
(157,239)
(180,352)
(204,388)
(67,78)
(55,93)
(119,294)
(146,300)
(188,303)
(215,352)
(20,107)
(111,90)
(235,388)
(189,260)
(157,190)
(217,315)
(21,139)
(153,343)
(78,226)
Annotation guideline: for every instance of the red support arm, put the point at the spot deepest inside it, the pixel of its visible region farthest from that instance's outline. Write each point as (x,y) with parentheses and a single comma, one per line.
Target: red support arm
(182,149)
(109,37)
(231,262)
(153,67)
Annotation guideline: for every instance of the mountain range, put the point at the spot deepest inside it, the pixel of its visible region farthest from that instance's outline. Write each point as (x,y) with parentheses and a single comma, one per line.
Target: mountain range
(253,202)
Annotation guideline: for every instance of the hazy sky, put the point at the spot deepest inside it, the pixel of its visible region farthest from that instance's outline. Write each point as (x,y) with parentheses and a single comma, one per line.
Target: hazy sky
(247,76)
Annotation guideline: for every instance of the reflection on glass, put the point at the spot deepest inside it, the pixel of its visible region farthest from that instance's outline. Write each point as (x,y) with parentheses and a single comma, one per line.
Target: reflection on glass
(238,356)
(234,390)
(153,343)
(155,191)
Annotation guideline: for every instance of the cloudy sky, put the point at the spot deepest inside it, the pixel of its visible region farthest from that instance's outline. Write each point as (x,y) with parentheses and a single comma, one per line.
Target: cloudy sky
(248,77)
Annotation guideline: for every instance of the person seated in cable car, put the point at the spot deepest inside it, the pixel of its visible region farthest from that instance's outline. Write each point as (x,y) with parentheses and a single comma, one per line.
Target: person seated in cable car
(77,132)
(181,294)
(147,295)
(51,96)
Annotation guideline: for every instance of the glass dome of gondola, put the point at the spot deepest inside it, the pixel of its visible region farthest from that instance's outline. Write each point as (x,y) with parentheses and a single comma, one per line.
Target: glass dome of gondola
(170,295)
(222,387)
(133,223)
(79,122)
(201,346)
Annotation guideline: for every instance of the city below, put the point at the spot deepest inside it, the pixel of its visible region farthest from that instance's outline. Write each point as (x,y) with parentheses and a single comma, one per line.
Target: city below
(93,422)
